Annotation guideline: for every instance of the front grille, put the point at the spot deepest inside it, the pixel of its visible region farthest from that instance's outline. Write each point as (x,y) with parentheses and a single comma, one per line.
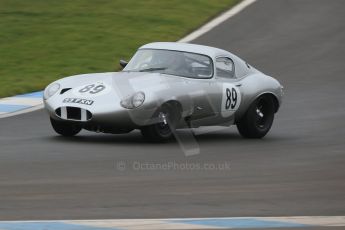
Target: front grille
(58,112)
(73,113)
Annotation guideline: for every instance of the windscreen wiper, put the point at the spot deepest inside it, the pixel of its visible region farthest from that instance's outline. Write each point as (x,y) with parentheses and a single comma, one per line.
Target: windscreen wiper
(153,69)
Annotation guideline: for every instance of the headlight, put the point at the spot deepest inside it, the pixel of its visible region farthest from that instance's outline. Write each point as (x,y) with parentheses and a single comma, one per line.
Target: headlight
(51,90)
(133,101)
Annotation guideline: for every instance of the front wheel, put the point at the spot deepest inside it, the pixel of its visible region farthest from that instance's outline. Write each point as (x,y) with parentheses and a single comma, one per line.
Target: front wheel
(164,129)
(64,128)
(258,119)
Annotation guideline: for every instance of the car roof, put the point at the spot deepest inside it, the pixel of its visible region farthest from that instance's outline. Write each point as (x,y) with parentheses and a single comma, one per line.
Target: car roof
(187,47)
(242,67)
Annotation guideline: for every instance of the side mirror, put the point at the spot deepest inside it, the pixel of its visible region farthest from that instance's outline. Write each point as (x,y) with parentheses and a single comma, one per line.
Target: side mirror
(123,63)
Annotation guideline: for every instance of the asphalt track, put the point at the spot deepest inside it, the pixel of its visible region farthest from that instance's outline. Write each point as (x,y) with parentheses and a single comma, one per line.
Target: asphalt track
(298,169)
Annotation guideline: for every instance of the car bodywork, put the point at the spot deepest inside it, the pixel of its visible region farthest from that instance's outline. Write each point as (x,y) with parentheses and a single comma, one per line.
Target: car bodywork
(95,101)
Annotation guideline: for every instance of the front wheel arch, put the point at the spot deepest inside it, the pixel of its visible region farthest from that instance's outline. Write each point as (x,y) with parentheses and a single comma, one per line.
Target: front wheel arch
(174,105)
(157,132)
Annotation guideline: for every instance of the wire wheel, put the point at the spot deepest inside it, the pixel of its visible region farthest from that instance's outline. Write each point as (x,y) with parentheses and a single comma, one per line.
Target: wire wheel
(258,119)
(163,129)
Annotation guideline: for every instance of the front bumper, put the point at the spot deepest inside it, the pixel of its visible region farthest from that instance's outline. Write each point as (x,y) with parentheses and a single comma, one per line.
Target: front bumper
(101,115)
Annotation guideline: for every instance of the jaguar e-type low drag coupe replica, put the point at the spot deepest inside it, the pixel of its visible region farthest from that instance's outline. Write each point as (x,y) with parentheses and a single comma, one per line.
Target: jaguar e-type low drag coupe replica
(164,87)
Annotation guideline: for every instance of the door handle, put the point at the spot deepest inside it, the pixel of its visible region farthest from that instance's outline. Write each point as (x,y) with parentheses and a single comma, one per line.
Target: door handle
(238,85)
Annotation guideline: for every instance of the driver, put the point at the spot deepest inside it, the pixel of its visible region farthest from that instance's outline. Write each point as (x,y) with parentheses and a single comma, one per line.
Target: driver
(175,62)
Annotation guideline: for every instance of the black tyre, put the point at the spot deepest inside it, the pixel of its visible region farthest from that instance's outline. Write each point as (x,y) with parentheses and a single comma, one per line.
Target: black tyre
(64,128)
(258,119)
(163,130)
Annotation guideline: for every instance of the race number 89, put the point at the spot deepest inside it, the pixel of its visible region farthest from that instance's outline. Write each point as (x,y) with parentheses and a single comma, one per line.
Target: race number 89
(92,89)
(231,98)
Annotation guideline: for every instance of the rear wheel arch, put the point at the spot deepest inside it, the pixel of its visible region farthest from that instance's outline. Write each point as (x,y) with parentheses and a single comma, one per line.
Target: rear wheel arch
(274,98)
(258,119)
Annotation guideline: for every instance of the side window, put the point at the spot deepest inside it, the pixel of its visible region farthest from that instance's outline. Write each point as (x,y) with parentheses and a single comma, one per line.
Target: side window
(225,67)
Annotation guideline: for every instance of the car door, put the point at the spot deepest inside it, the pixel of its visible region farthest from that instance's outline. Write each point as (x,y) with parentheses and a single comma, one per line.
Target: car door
(202,87)
(229,95)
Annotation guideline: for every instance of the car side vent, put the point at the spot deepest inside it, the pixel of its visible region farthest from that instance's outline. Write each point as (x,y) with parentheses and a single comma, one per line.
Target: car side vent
(64,90)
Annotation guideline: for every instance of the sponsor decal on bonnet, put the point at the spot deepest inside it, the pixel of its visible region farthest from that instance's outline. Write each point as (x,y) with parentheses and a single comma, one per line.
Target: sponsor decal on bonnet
(78,101)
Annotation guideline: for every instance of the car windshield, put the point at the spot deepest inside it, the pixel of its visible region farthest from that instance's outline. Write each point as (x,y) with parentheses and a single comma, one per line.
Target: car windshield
(171,62)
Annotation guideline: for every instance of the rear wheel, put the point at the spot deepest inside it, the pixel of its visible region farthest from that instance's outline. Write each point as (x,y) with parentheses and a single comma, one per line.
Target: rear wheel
(164,129)
(258,119)
(64,128)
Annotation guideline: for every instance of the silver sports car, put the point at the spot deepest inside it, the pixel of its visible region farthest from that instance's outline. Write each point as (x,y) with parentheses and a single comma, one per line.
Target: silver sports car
(166,86)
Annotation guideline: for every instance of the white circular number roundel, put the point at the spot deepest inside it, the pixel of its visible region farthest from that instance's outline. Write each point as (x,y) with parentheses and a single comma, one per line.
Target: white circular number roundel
(92,89)
(231,99)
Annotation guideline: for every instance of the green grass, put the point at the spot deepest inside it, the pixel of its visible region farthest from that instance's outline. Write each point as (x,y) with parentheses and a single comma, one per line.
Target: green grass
(44,40)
